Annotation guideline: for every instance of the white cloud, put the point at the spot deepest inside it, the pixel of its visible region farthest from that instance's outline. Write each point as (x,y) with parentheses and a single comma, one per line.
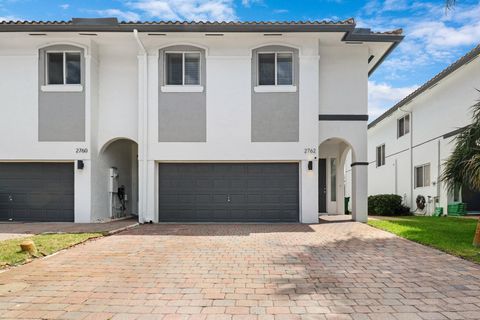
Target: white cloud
(65,6)
(382,96)
(122,15)
(10,18)
(249,3)
(432,35)
(191,10)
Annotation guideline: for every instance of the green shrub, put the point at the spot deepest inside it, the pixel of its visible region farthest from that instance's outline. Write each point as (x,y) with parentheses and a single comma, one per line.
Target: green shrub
(386,205)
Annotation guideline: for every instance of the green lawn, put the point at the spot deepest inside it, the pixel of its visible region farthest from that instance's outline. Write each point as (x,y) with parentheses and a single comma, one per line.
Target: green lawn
(10,253)
(452,235)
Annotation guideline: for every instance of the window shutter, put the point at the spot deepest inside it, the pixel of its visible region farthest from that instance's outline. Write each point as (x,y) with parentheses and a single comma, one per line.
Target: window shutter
(266,69)
(72,60)
(284,69)
(192,68)
(174,66)
(55,68)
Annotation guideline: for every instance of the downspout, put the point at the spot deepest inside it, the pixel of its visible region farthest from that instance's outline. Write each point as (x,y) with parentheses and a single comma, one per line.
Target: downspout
(143,125)
(412,179)
(412,183)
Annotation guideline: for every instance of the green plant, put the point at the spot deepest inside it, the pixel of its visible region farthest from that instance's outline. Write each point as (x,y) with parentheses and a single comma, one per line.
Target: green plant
(462,168)
(386,205)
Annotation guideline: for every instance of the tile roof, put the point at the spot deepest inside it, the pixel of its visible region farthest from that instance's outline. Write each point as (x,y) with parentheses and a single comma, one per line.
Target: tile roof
(113,25)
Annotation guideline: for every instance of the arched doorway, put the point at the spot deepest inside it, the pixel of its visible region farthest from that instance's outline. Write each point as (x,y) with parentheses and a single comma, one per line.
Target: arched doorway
(332,172)
(117,174)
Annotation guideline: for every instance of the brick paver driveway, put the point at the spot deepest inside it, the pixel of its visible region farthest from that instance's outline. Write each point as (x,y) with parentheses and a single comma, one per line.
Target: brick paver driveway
(342,270)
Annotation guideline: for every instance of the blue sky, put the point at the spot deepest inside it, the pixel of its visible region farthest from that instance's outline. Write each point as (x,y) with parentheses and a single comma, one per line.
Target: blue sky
(434,38)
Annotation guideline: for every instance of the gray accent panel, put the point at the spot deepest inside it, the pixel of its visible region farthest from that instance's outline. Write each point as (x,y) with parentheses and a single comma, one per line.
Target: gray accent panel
(37,191)
(258,192)
(275,116)
(61,115)
(182,116)
(343,117)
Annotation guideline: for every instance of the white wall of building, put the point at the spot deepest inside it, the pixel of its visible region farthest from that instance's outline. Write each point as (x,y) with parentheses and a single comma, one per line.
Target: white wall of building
(115,70)
(440,110)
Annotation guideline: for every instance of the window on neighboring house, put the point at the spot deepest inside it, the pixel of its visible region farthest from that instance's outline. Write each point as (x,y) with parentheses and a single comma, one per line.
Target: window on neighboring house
(275,69)
(63,68)
(403,125)
(422,176)
(333,179)
(381,155)
(183,68)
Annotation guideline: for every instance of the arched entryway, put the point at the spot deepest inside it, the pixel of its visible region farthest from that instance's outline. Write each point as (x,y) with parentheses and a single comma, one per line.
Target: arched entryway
(117,174)
(331,175)
(342,173)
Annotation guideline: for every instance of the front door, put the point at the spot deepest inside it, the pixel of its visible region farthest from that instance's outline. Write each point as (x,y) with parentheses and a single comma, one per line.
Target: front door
(472,199)
(322,185)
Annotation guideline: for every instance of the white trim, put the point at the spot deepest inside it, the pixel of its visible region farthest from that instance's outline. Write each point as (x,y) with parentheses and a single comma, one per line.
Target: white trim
(181,88)
(291,53)
(64,66)
(155,51)
(277,88)
(183,53)
(62,88)
(86,49)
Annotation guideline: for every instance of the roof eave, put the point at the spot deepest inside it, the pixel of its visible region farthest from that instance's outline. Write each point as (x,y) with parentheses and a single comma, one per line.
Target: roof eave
(174,28)
(467,58)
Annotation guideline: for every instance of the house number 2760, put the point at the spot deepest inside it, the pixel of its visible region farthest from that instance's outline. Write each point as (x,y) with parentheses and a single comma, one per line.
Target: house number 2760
(81,150)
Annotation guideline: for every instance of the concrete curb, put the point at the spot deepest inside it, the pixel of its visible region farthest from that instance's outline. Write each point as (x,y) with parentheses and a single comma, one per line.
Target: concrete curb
(115,231)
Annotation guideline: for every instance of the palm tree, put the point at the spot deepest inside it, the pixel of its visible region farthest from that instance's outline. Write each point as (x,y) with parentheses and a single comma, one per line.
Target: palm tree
(450,3)
(462,168)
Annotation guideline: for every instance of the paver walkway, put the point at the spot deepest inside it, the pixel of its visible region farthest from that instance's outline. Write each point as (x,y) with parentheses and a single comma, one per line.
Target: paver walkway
(11,230)
(343,270)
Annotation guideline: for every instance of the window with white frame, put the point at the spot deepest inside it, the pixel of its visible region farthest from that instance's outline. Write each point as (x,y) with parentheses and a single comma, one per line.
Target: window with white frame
(275,69)
(63,67)
(422,176)
(403,125)
(333,179)
(182,68)
(381,155)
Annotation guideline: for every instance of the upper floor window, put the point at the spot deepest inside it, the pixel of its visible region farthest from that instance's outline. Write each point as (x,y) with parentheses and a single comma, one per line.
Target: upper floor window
(381,155)
(275,69)
(422,176)
(63,67)
(403,125)
(183,68)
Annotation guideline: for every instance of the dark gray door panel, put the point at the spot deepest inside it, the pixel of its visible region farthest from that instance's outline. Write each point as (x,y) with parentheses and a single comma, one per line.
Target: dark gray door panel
(240,192)
(322,185)
(37,191)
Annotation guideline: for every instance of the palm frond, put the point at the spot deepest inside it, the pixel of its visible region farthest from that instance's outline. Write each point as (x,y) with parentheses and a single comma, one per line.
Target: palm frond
(450,3)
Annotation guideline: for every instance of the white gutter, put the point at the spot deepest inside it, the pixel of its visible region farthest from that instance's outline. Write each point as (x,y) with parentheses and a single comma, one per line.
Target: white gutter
(412,182)
(143,128)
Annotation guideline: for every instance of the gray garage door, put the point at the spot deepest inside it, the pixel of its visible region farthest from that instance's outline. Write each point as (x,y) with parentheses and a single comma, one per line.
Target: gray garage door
(36,191)
(208,192)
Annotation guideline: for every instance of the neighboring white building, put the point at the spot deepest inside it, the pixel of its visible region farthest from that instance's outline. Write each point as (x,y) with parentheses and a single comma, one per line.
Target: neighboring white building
(200,122)
(408,144)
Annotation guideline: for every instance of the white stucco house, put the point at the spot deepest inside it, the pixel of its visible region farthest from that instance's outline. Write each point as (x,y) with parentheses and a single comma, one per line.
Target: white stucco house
(409,143)
(184,121)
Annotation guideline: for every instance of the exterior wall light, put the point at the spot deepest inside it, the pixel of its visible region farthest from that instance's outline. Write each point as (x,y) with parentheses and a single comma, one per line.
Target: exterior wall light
(310,165)
(80,164)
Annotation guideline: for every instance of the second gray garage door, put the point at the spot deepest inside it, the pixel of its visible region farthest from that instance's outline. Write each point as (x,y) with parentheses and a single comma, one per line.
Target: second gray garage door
(221,192)
(36,191)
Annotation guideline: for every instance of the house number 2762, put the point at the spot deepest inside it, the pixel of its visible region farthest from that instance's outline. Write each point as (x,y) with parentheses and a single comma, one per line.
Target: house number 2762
(81,150)
(310,150)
